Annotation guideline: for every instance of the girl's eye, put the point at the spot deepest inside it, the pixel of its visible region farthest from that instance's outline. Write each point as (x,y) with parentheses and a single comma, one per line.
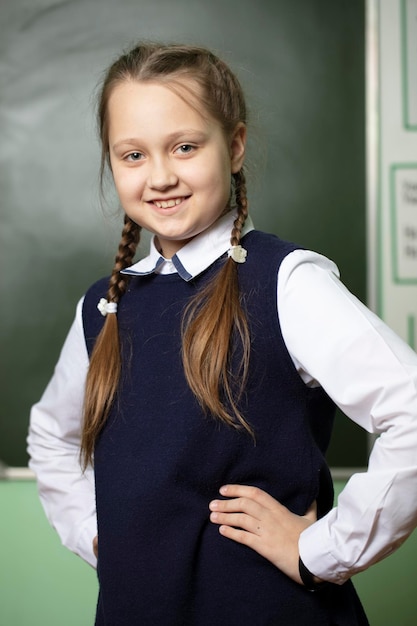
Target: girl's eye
(134,156)
(185,148)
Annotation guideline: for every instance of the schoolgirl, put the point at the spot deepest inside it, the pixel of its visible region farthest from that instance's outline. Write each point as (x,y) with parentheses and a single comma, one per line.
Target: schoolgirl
(199,385)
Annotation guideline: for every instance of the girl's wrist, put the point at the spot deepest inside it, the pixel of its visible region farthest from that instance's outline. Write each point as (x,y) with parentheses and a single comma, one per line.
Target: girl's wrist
(310,581)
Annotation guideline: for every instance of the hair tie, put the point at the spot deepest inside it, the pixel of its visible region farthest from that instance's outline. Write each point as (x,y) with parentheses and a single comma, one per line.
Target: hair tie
(106,307)
(237,253)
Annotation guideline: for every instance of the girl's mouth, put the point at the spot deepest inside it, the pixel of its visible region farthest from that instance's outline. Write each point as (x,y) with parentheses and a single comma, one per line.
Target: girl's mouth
(167,204)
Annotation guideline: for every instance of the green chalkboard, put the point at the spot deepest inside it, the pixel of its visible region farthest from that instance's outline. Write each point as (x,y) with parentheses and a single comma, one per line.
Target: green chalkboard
(302,65)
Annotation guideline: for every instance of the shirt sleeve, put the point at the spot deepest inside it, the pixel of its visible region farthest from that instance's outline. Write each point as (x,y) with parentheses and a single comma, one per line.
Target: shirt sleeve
(67,494)
(371,374)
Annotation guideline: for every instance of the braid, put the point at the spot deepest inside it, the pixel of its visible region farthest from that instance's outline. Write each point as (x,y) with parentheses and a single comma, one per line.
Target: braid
(213,321)
(126,252)
(105,362)
(242,207)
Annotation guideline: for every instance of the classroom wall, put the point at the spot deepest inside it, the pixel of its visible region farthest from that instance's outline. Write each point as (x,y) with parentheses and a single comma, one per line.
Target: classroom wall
(302,66)
(43,584)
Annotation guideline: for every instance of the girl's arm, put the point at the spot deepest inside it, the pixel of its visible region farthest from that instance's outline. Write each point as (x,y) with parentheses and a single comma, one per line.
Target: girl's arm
(371,374)
(67,494)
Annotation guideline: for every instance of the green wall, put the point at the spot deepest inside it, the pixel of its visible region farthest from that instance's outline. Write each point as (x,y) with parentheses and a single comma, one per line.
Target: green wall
(43,584)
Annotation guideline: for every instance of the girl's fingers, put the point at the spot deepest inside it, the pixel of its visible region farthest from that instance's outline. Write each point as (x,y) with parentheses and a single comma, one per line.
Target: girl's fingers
(237,520)
(245,491)
(252,517)
(235,505)
(240,536)
(250,500)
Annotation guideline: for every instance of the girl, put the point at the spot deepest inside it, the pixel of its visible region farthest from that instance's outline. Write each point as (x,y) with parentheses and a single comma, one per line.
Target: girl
(206,374)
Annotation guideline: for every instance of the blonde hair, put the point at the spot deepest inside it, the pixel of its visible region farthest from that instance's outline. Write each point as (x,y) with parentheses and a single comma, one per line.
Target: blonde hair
(214,316)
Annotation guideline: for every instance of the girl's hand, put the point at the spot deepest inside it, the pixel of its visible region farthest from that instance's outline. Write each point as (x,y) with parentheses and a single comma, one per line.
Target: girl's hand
(256,519)
(95,546)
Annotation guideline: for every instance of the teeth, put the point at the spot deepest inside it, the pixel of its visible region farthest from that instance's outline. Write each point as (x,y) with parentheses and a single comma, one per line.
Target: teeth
(166,204)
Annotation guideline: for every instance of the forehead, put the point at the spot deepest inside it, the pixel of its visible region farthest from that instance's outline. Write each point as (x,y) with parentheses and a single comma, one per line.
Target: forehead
(157,105)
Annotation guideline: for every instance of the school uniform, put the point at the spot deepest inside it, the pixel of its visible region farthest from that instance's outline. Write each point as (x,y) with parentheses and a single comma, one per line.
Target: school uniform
(160,460)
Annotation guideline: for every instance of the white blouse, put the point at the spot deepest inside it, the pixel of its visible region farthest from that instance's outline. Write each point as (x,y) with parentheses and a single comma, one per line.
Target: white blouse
(334,341)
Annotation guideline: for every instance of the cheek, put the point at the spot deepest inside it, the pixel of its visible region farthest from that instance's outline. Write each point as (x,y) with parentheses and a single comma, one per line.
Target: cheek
(223,177)
(213,181)
(126,182)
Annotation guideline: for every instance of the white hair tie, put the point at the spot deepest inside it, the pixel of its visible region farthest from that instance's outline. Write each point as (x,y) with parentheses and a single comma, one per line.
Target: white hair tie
(237,253)
(106,307)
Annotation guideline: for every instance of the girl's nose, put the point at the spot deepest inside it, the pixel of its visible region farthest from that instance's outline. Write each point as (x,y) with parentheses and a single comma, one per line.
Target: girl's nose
(162,176)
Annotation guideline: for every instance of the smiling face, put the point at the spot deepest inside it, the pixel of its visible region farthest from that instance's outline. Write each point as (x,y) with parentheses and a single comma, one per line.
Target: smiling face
(171,166)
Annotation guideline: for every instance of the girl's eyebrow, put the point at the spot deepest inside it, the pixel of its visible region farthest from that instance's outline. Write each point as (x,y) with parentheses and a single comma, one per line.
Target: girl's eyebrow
(197,135)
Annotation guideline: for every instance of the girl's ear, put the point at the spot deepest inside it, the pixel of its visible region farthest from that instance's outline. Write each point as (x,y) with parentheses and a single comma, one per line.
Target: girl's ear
(237,147)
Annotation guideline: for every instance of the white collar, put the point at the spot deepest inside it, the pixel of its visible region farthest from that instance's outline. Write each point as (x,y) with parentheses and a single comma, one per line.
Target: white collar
(196,256)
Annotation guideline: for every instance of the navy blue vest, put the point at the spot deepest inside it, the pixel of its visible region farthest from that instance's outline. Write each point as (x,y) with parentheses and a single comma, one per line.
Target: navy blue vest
(160,460)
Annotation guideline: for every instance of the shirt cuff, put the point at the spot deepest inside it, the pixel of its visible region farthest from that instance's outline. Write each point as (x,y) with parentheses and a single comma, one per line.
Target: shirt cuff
(316,556)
